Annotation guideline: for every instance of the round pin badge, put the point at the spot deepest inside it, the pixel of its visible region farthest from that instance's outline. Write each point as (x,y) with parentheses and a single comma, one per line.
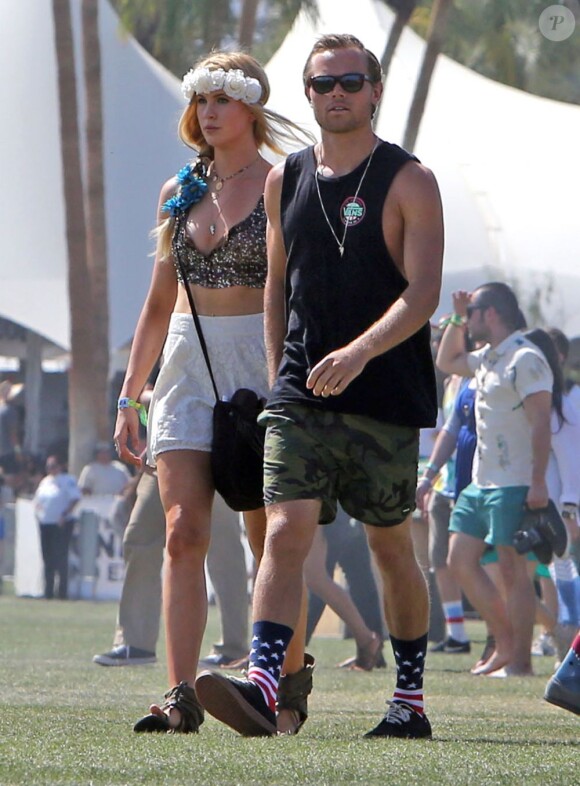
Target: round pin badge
(352,211)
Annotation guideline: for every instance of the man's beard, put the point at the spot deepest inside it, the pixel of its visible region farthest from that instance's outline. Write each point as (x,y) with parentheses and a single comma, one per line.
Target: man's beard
(337,125)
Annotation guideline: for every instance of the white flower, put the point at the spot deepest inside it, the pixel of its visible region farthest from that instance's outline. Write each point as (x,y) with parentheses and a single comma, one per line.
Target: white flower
(253,91)
(234,83)
(202,81)
(188,84)
(217,79)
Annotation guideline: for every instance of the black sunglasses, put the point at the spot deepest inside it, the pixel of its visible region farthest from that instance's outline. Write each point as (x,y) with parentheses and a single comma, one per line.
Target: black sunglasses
(475,307)
(350,83)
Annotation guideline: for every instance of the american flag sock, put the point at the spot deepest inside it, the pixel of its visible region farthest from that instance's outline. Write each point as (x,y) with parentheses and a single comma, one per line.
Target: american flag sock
(269,643)
(454,620)
(410,660)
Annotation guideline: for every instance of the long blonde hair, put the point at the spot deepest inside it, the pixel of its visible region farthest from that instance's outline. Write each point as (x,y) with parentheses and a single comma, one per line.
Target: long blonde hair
(271,129)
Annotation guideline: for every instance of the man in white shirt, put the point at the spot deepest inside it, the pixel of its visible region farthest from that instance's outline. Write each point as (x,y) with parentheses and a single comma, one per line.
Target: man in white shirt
(512,409)
(103,475)
(54,501)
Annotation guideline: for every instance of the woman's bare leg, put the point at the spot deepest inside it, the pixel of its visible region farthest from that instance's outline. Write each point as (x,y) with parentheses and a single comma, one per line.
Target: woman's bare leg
(186,491)
(322,584)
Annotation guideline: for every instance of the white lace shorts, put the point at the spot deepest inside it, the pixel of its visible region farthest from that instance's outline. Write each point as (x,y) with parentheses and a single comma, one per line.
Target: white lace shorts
(180,412)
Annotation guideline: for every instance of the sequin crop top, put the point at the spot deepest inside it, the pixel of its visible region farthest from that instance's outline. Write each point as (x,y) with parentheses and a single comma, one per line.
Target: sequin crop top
(239,261)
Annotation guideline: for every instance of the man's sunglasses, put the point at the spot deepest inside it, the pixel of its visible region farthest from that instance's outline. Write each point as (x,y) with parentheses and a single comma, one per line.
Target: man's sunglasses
(475,307)
(350,83)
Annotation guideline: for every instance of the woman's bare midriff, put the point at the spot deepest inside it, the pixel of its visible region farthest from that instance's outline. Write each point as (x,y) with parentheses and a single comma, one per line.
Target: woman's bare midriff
(228,302)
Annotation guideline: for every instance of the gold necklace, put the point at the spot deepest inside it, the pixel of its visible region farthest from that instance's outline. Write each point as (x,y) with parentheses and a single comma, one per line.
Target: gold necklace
(320,167)
(219,184)
(219,181)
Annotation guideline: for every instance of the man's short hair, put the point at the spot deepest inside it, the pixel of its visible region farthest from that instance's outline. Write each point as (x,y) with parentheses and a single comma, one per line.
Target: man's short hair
(103,447)
(503,299)
(334,41)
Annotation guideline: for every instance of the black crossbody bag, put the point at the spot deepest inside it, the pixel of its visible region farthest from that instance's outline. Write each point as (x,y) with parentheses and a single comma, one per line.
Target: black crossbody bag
(237,451)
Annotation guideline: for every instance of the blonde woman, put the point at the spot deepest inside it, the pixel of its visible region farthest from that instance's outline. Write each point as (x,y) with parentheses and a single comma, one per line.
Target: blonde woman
(211,218)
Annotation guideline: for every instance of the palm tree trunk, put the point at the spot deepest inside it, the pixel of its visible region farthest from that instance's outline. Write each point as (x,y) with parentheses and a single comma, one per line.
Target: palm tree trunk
(403,10)
(96,220)
(82,426)
(247,27)
(437,27)
(403,14)
(215,17)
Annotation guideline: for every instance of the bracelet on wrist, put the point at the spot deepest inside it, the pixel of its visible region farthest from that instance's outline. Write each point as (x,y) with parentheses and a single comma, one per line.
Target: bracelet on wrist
(129,403)
(426,479)
(456,320)
(433,467)
(569,510)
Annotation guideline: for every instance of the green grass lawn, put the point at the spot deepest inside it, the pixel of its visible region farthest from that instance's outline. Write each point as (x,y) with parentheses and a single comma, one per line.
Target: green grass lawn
(64,720)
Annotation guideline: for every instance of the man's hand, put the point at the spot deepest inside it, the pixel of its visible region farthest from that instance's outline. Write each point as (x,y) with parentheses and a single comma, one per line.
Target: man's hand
(537,496)
(423,493)
(334,373)
(461,299)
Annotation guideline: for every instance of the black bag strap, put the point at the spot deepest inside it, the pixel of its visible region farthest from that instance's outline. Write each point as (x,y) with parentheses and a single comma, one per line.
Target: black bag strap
(197,326)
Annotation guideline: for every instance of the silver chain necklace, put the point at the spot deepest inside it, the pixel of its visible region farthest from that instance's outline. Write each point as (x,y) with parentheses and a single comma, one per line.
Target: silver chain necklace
(340,243)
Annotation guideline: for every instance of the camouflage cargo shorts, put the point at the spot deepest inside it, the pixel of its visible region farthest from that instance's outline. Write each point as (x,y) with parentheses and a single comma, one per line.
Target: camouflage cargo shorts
(370,467)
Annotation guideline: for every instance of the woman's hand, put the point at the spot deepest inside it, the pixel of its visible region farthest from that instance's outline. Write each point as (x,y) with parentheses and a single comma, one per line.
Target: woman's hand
(127,432)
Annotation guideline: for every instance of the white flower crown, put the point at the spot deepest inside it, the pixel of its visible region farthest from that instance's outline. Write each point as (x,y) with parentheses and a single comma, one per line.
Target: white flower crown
(234,83)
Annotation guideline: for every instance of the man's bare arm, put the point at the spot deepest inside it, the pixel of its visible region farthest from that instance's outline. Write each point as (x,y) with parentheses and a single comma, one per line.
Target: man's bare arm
(537,407)
(274,306)
(420,207)
(452,353)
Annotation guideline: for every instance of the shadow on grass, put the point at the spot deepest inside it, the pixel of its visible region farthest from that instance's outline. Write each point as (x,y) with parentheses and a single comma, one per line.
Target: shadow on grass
(504,741)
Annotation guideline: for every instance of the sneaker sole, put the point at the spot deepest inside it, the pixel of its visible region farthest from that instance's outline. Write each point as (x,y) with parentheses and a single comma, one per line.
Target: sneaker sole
(370,736)
(225,703)
(102,660)
(374,735)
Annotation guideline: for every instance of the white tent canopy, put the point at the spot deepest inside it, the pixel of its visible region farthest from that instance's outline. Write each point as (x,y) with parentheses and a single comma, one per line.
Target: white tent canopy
(507,164)
(141,106)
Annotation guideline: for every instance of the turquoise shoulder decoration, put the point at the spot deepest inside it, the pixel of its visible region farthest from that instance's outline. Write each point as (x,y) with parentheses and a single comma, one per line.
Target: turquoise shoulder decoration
(192,187)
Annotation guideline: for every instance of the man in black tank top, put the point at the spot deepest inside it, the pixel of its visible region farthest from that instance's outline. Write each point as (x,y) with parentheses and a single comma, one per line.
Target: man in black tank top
(355,242)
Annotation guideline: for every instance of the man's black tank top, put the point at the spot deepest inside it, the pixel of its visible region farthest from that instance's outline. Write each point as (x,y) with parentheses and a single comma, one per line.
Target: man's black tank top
(330,300)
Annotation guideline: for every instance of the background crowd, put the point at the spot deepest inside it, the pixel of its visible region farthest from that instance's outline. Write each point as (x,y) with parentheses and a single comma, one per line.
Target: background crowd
(443,475)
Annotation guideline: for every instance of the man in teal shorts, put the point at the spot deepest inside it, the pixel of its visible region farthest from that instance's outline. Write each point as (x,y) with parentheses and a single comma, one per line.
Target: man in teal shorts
(512,412)
(354,263)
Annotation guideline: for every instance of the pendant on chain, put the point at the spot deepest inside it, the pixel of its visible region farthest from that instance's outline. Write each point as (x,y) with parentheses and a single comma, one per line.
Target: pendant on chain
(319,170)
(212,229)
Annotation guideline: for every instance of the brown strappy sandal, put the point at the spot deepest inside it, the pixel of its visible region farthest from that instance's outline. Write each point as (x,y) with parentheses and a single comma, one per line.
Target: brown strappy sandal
(368,657)
(293,692)
(181,698)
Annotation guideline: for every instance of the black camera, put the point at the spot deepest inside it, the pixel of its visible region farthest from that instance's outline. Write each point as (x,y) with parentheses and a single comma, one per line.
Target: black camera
(543,532)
